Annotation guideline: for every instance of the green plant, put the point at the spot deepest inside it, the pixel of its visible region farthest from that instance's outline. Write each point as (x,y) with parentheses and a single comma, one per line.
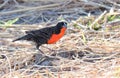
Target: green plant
(111,17)
(8,23)
(76,26)
(84,40)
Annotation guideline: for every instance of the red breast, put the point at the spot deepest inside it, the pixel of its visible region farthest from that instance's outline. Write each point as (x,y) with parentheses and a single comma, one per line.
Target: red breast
(55,37)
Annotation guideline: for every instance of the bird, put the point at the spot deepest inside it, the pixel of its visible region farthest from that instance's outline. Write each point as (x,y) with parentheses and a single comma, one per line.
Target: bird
(47,35)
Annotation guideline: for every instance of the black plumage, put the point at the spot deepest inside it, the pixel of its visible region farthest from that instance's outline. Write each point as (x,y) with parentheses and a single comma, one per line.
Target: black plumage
(41,36)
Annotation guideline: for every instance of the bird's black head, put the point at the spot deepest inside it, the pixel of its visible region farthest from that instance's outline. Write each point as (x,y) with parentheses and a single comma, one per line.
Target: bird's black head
(62,24)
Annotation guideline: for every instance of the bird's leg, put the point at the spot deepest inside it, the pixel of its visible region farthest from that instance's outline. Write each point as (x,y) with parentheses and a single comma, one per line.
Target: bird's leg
(53,51)
(37,46)
(47,48)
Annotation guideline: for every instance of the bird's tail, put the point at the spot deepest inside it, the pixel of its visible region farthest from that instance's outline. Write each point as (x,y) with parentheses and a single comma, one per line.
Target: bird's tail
(26,37)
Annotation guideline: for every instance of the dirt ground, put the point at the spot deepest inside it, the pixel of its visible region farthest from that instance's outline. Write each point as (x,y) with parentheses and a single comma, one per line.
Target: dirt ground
(89,49)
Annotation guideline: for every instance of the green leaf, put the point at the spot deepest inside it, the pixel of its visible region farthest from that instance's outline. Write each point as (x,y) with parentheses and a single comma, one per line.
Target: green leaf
(10,22)
(111,17)
(84,38)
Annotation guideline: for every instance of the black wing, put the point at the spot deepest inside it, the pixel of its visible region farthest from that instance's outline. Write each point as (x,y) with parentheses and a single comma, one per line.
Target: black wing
(42,33)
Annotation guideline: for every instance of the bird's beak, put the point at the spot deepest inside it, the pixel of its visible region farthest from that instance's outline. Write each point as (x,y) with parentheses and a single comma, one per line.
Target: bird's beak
(65,25)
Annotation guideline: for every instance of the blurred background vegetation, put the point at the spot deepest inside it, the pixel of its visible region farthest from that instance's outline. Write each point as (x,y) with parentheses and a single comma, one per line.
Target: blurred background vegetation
(89,49)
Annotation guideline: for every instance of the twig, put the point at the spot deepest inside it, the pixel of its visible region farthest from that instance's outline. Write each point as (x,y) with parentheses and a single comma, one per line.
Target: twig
(97,19)
(97,4)
(4,3)
(8,60)
(45,7)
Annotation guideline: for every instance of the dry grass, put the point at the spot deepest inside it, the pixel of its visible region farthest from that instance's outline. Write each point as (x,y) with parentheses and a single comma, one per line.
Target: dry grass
(90,48)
